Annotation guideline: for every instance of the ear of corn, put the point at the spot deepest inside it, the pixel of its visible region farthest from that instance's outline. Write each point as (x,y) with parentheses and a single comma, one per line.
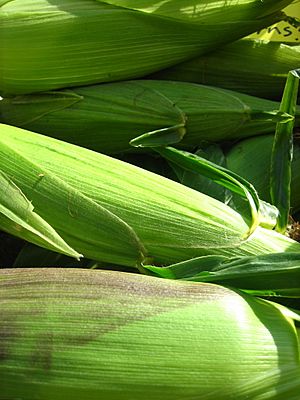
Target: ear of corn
(49,44)
(254,67)
(129,214)
(109,335)
(106,117)
(251,158)
(96,193)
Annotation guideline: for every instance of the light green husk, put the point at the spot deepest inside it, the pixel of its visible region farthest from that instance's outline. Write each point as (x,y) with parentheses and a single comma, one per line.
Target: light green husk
(107,117)
(49,44)
(254,67)
(73,334)
(112,211)
(251,158)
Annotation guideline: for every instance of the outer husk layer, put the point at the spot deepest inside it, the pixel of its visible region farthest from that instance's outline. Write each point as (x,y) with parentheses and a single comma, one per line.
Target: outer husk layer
(106,117)
(94,334)
(129,214)
(49,44)
(254,67)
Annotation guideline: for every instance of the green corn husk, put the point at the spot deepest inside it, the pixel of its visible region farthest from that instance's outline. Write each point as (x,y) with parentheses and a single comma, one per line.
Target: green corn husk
(254,67)
(89,335)
(49,44)
(251,158)
(76,201)
(106,117)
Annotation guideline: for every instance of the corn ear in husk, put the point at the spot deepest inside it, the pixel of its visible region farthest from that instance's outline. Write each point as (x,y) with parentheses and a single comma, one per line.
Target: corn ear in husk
(101,334)
(49,44)
(254,67)
(107,117)
(112,211)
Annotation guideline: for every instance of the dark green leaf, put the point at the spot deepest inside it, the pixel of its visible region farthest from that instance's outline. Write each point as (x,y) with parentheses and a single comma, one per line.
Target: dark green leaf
(265,275)
(282,154)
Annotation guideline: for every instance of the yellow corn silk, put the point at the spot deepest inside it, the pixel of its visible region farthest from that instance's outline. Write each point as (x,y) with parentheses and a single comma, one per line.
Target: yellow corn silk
(283,31)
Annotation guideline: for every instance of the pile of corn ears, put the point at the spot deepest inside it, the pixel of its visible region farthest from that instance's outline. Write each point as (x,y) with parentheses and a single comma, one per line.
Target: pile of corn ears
(149,202)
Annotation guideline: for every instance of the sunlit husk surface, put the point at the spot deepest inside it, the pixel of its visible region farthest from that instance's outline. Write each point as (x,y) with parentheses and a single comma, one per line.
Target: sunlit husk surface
(112,211)
(49,44)
(93,335)
(106,117)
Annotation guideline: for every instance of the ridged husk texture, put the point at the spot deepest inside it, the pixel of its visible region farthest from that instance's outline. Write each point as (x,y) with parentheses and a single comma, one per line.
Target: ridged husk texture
(89,335)
(106,117)
(49,44)
(254,67)
(112,211)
